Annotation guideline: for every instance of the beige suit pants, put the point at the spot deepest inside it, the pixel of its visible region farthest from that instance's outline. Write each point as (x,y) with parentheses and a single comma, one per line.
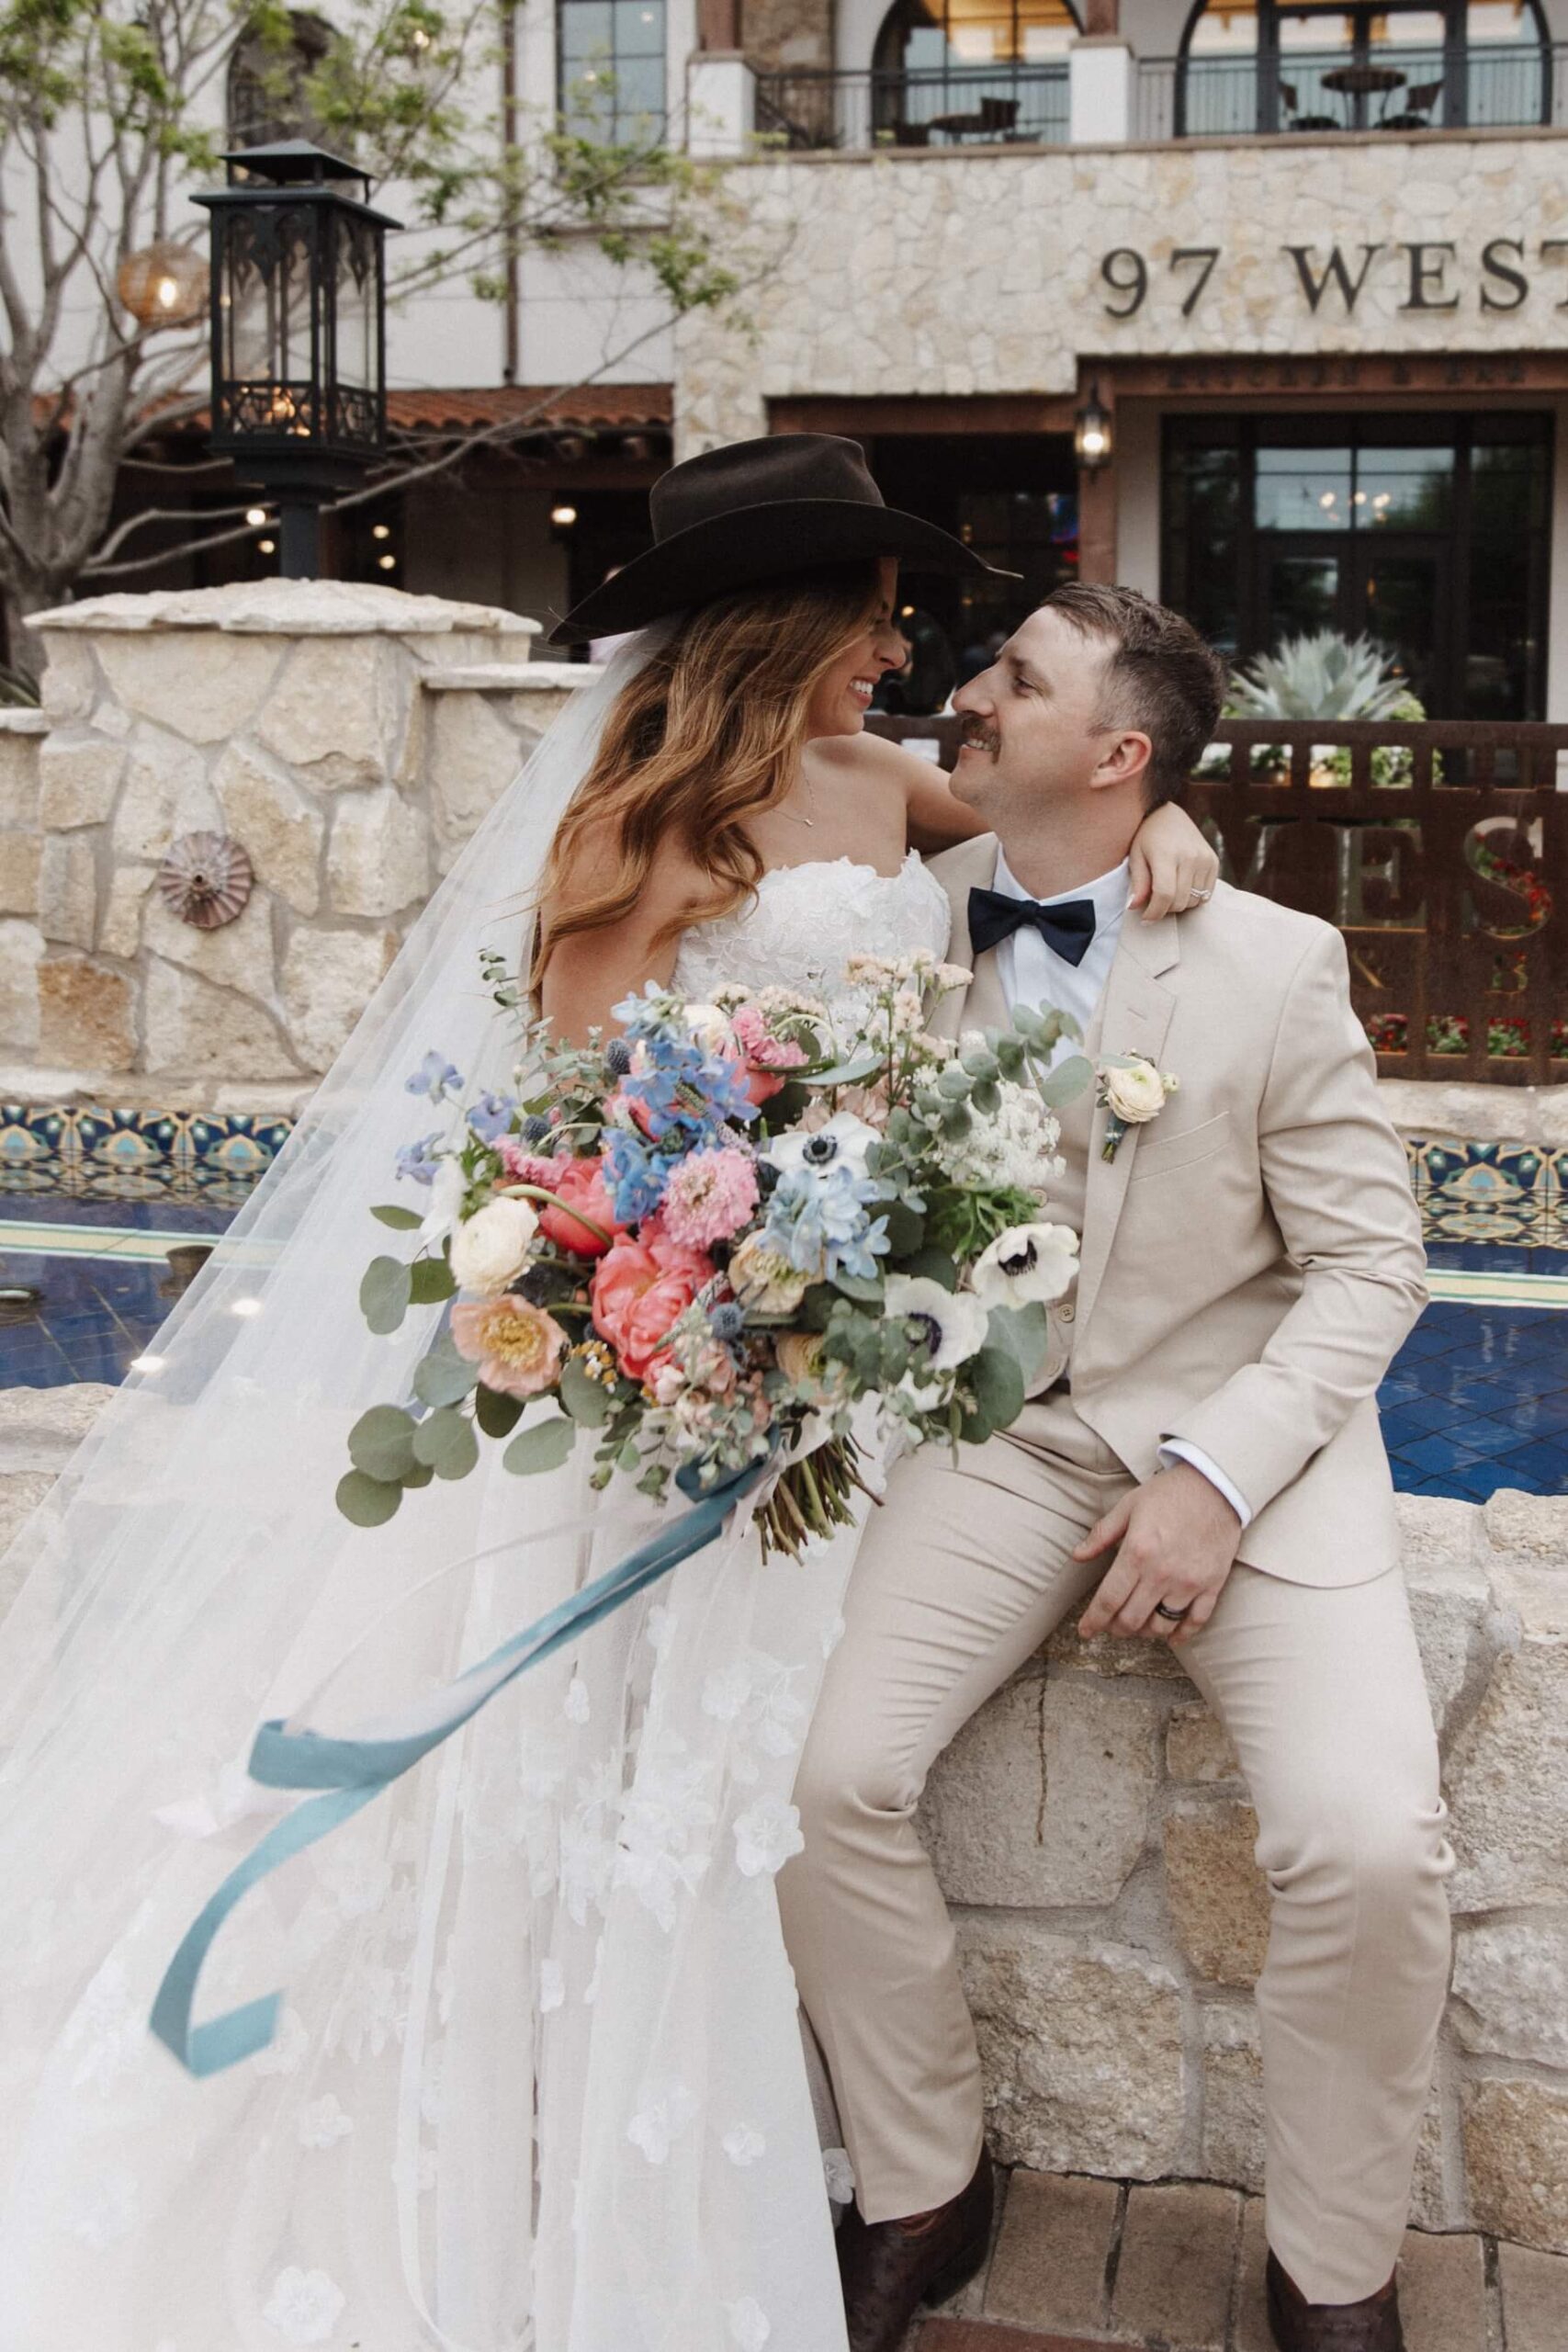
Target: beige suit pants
(961,1577)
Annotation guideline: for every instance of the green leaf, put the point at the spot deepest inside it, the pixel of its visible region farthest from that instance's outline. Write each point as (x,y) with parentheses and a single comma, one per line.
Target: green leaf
(420,1475)
(998,1383)
(1067,1081)
(859,1287)
(586,1399)
(906,1229)
(430,1281)
(442,1377)
(933,1265)
(815,1307)
(497,1415)
(400,1220)
(447,1443)
(381,1442)
(384,1294)
(986,1097)
(845,1073)
(1024,1332)
(369,1502)
(975,1429)
(544,1445)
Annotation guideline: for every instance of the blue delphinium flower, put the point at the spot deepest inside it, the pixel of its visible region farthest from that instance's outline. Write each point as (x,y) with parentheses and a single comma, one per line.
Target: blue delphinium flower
(434,1077)
(819,1220)
(728,1320)
(491,1116)
(419,1160)
(636,1176)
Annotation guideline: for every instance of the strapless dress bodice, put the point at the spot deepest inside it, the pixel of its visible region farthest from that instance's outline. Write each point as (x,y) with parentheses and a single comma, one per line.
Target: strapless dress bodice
(803,922)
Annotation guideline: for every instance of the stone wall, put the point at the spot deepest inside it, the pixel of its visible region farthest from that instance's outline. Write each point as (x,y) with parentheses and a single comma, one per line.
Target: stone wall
(293,715)
(1090,1830)
(981,272)
(1093,1838)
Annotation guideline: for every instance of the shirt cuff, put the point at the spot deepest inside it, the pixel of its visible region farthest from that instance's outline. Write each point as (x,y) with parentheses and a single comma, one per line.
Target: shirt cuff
(1175,1449)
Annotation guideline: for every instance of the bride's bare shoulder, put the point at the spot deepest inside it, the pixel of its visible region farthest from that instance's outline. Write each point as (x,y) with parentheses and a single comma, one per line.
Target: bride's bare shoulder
(869,758)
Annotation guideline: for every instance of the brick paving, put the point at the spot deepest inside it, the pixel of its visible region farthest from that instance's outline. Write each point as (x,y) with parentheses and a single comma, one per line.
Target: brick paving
(1077,2265)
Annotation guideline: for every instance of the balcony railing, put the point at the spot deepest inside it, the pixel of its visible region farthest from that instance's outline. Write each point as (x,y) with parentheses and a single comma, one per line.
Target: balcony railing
(959,106)
(1439,850)
(1303,91)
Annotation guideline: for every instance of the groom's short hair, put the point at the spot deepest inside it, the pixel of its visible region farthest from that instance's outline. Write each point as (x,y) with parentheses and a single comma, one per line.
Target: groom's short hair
(1161,677)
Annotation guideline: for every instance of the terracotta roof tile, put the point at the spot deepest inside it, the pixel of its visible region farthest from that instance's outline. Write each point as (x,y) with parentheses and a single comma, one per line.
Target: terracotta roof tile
(628,406)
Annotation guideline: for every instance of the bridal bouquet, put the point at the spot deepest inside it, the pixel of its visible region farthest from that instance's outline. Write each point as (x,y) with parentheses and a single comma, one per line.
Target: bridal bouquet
(708,1235)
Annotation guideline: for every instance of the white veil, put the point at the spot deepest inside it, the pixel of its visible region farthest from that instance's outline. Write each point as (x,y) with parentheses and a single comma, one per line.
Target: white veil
(537,2085)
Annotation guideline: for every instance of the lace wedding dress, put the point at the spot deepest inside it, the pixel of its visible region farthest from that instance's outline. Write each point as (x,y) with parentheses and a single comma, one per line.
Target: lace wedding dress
(538,2084)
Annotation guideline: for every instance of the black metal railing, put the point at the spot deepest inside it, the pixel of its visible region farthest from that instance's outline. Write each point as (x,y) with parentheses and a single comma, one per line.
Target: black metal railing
(1439,849)
(1304,92)
(958,106)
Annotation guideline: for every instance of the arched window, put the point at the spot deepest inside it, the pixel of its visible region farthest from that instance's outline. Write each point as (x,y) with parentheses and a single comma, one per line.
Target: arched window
(610,69)
(960,69)
(1261,66)
(266,98)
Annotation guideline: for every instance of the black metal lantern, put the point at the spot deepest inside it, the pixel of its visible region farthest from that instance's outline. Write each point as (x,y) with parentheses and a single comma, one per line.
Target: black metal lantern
(1093,444)
(299,331)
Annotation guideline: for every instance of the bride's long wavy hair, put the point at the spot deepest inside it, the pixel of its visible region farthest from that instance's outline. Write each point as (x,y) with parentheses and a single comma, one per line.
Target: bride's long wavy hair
(704,737)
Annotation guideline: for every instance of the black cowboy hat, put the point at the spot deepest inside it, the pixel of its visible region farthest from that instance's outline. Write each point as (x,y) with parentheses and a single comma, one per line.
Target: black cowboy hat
(755,512)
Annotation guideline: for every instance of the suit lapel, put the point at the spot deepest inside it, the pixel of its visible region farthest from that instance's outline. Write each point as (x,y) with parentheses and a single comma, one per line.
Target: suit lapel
(970,867)
(1135,1015)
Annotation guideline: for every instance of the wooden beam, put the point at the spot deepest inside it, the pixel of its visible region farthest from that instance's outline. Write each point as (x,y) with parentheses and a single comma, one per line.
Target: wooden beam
(922,413)
(718,24)
(1101,17)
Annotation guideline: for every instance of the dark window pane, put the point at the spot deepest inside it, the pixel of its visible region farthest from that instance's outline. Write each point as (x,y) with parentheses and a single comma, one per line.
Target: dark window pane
(1302,490)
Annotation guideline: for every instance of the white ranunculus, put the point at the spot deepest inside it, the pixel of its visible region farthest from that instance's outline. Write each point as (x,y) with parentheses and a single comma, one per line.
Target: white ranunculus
(842,1143)
(710,1027)
(1027,1263)
(1136,1093)
(490,1250)
(954,1323)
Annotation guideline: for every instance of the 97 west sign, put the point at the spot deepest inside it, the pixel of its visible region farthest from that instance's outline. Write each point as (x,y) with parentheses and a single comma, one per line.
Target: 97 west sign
(1430,274)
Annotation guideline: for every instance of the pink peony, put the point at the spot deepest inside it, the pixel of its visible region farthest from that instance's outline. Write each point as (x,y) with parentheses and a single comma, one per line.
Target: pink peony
(580,1182)
(518,1348)
(639,1288)
(708,1197)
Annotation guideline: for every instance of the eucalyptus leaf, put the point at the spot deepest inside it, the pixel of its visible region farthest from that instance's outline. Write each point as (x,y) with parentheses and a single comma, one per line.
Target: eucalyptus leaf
(430,1281)
(542,1446)
(381,1442)
(586,1399)
(442,1377)
(496,1415)
(1067,1081)
(859,1287)
(844,1073)
(906,1229)
(934,1265)
(384,1294)
(1025,1333)
(447,1443)
(369,1502)
(400,1220)
(419,1475)
(998,1383)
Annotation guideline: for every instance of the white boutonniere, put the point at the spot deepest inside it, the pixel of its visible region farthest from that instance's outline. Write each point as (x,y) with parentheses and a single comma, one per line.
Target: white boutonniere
(1133,1091)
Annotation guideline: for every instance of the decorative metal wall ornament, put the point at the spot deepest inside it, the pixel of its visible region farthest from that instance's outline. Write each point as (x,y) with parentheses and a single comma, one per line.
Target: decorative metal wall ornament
(206,879)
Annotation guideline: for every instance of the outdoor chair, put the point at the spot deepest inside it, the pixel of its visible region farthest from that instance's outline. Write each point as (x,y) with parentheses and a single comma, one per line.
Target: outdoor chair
(1306,121)
(1416,113)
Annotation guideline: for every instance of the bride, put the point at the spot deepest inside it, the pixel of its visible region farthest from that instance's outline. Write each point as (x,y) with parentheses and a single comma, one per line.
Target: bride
(538,2082)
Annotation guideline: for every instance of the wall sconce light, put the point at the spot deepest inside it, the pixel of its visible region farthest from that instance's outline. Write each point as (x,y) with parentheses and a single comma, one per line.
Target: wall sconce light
(563,517)
(1092,440)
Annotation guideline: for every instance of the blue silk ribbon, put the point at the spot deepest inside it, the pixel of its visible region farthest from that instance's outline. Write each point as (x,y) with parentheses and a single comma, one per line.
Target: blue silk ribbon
(354,1772)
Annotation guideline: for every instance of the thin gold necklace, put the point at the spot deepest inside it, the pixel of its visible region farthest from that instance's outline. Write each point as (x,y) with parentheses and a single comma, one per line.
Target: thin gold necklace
(811,796)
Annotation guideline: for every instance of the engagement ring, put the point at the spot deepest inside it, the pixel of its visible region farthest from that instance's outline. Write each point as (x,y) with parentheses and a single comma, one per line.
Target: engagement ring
(1175,1615)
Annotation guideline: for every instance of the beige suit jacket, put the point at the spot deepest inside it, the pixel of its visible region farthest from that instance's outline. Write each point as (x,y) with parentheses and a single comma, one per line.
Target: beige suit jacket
(1252,1258)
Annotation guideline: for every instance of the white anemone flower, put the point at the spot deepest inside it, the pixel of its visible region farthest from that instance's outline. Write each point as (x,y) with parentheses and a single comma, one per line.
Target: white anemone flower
(842,1143)
(1026,1264)
(952,1324)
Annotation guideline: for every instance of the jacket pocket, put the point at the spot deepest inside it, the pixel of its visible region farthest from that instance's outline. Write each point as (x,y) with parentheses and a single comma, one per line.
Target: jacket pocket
(1159,1156)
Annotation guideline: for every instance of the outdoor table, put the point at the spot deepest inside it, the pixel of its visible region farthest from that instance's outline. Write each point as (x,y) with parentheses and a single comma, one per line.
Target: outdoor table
(1364,80)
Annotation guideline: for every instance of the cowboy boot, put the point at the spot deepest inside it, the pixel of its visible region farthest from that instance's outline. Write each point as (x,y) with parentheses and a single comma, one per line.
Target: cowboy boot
(1371,2325)
(890,2268)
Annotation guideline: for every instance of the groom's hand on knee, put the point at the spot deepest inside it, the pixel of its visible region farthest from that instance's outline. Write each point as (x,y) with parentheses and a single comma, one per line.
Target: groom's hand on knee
(1175,1539)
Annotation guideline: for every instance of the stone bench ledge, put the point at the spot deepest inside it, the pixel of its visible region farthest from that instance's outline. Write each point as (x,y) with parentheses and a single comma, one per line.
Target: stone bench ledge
(284,609)
(510,677)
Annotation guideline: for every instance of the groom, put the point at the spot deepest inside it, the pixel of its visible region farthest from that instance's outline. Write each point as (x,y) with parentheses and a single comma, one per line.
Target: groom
(1207,1466)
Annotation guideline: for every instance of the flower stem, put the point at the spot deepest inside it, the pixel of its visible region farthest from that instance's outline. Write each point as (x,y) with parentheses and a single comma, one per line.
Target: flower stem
(537,1192)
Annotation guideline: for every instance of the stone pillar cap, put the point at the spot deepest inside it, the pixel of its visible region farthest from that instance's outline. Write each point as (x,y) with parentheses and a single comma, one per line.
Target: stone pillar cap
(287,608)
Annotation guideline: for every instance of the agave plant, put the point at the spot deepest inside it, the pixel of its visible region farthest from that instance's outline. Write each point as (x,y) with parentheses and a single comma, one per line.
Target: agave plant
(1326,677)
(1321,676)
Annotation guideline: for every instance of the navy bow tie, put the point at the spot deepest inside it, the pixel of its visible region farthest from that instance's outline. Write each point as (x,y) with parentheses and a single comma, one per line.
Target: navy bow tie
(1066,928)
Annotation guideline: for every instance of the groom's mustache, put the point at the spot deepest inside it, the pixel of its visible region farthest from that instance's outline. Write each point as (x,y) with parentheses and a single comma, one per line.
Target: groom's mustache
(979,737)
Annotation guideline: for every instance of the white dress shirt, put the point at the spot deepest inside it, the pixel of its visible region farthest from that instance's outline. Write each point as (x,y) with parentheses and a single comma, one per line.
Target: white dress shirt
(1032,973)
